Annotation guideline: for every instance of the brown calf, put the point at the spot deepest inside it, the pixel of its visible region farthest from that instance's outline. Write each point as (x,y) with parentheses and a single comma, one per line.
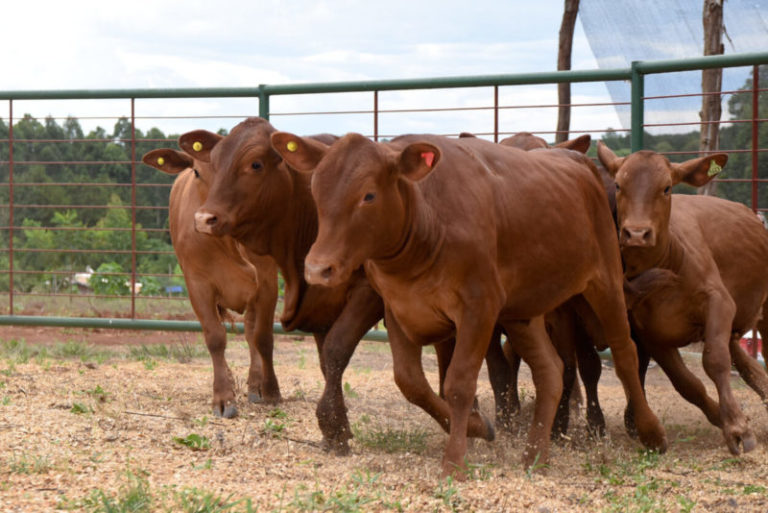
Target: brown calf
(219,277)
(456,250)
(716,251)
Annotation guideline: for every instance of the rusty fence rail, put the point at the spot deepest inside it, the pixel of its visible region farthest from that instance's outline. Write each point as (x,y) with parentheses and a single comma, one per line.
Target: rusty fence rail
(52,225)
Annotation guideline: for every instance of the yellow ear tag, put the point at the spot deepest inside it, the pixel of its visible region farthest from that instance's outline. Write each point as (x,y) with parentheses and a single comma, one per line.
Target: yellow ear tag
(714,168)
(292,146)
(160,161)
(197,146)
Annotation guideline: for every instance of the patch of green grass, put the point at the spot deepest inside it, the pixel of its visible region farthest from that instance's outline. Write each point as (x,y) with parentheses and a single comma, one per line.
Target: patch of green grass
(182,353)
(16,351)
(28,464)
(194,441)
(448,493)
(349,391)
(388,439)
(80,409)
(362,493)
(80,350)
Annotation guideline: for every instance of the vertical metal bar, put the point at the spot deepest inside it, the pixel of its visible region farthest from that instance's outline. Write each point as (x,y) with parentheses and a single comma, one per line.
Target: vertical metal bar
(376,116)
(755,138)
(496,113)
(133,208)
(10,206)
(638,109)
(263,102)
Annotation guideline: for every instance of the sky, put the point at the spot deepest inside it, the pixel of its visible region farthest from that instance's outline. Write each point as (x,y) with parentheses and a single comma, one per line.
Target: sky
(242,43)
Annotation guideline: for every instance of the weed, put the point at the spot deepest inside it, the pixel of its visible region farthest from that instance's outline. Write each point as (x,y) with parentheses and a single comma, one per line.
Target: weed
(25,464)
(79,350)
(448,493)
(201,422)
(686,504)
(133,496)
(349,392)
(390,440)
(194,441)
(208,465)
(183,353)
(6,400)
(80,409)
(749,489)
(272,428)
(16,351)
(150,364)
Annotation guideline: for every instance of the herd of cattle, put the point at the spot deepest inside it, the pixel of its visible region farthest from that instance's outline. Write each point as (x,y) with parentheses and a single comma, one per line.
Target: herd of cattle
(454,241)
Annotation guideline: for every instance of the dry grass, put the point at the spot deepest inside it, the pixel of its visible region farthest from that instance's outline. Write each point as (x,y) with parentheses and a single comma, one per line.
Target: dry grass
(81,432)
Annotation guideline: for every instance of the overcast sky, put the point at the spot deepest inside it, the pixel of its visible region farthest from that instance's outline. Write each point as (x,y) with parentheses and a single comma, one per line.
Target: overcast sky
(243,43)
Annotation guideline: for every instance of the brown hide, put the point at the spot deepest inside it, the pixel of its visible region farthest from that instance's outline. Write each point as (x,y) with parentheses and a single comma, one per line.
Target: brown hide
(456,249)
(220,277)
(267,206)
(717,251)
(527,141)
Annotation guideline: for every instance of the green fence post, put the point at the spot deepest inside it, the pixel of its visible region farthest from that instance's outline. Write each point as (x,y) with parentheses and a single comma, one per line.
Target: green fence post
(638,111)
(263,102)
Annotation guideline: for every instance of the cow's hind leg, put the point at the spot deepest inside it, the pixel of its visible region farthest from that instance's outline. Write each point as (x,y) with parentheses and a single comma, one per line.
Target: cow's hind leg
(531,342)
(749,370)
(643,359)
(503,381)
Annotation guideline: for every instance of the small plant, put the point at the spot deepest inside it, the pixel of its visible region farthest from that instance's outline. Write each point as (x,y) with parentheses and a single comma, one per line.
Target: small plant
(24,464)
(194,441)
(390,440)
(80,409)
(201,422)
(273,428)
(448,493)
(349,392)
(98,393)
(6,400)
(150,364)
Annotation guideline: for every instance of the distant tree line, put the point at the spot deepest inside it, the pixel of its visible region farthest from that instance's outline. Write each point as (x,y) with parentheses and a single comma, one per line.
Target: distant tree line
(53,162)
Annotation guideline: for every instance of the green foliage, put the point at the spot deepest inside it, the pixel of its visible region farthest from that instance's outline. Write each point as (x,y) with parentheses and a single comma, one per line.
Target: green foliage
(25,463)
(194,441)
(80,409)
(388,439)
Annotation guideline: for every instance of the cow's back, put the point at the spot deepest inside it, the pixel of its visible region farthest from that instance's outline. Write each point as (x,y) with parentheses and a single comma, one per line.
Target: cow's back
(737,241)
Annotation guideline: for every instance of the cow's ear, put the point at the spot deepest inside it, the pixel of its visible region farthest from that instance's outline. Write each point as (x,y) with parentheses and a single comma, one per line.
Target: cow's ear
(609,159)
(580,144)
(699,171)
(199,143)
(167,160)
(301,153)
(417,160)
(465,135)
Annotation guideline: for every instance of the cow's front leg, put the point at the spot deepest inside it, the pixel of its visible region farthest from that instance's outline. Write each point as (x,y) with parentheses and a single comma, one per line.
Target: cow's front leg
(363,309)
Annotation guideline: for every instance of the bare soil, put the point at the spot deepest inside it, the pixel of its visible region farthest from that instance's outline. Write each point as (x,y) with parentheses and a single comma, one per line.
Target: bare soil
(53,457)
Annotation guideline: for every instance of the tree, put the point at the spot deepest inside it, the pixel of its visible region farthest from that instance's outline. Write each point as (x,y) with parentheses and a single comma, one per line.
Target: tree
(711,83)
(564,63)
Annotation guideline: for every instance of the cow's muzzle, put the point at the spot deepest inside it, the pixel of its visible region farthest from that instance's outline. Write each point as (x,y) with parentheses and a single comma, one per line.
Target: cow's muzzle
(637,236)
(322,273)
(206,222)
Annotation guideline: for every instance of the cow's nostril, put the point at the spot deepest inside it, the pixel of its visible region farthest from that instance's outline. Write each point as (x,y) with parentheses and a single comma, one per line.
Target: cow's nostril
(211,221)
(327,272)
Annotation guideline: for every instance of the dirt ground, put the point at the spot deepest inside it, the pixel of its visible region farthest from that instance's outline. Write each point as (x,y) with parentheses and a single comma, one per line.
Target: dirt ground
(77,431)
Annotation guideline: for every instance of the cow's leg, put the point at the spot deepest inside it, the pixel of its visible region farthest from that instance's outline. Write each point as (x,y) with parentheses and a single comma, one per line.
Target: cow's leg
(259,320)
(502,382)
(533,344)
(561,330)
(410,379)
(762,328)
(590,369)
(363,309)
(606,298)
(473,334)
(204,304)
(750,370)
(444,352)
(643,359)
(717,364)
(514,360)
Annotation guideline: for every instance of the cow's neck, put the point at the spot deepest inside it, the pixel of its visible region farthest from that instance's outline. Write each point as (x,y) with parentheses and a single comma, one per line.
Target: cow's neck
(666,254)
(420,240)
(289,243)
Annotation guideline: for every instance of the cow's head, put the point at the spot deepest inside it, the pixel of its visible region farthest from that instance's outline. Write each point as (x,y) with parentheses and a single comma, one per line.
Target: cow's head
(360,189)
(644,182)
(174,162)
(249,187)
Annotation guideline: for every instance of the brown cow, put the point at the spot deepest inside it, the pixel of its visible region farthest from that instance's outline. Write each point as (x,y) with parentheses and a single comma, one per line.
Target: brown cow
(454,251)
(268,207)
(717,252)
(221,277)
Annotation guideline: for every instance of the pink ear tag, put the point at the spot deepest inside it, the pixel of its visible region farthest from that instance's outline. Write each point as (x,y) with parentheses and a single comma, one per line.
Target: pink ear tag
(429,157)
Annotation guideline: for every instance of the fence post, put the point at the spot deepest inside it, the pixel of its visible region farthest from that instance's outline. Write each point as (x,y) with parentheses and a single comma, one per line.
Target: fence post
(755,132)
(263,102)
(638,109)
(376,116)
(133,208)
(10,206)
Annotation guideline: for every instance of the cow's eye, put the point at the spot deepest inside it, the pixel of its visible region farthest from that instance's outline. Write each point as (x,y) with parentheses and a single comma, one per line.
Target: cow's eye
(617,187)
(369,197)
(667,189)
(197,174)
(256,166)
